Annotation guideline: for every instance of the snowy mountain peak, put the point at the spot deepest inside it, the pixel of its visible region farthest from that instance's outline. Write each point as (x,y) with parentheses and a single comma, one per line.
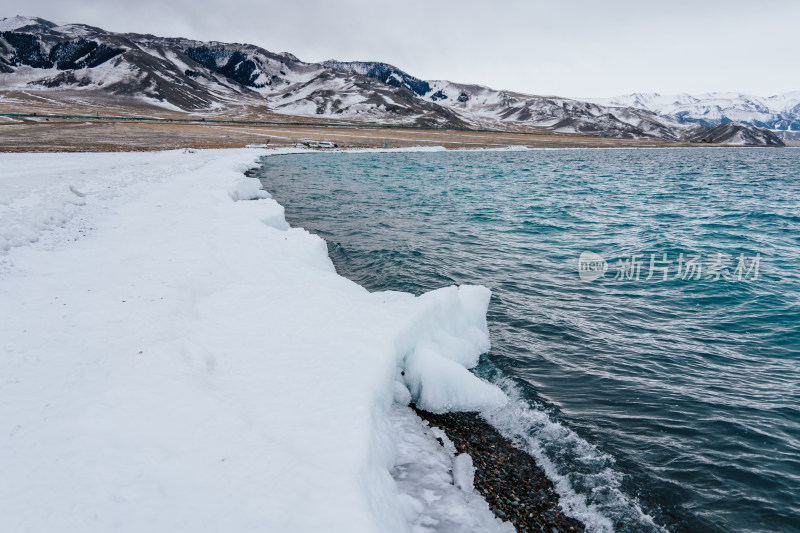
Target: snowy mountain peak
(18,22)
(780,112)
(383,72)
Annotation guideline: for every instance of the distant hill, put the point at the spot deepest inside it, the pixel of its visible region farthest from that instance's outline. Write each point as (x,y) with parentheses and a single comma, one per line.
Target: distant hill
(780,112)
(734,134)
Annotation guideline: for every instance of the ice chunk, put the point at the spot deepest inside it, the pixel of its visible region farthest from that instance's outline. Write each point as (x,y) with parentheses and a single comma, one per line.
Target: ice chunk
(275,217)
(401,394)
(446,337)
(439,384)
(76,192)
(247,189)
(464,472)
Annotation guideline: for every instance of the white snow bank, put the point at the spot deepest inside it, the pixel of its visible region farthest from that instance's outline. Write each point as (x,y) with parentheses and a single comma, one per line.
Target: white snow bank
(435,483)
(45,192)
(173,359)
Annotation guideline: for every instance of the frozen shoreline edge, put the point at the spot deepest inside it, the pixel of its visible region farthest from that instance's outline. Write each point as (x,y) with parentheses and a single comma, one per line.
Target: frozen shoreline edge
(412,386)
(503,421)
(530,508)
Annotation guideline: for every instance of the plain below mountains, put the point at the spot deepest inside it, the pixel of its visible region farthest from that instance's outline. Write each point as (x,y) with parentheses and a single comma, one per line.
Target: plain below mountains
(213,79)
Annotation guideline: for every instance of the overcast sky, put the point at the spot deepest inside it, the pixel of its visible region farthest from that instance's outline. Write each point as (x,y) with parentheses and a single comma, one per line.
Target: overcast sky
(589,48)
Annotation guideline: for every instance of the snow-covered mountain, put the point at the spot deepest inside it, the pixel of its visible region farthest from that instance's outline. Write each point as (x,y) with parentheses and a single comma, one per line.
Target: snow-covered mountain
(735,134)
(197,76)
(780,112)
(214,78)
(489,108)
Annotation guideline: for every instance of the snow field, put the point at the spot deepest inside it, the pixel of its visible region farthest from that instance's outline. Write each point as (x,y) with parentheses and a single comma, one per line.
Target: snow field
(176,358)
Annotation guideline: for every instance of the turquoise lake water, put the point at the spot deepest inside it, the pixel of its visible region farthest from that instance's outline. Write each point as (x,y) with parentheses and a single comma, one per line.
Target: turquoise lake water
(653,403)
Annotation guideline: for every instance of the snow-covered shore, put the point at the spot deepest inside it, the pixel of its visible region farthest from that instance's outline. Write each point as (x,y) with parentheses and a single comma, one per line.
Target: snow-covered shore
(174,357)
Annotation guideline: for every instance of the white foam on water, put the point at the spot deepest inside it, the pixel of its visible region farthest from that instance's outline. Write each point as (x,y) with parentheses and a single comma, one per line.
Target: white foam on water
(600,503)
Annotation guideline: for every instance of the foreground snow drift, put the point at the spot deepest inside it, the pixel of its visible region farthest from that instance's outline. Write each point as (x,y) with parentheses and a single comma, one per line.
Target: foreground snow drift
(175,357)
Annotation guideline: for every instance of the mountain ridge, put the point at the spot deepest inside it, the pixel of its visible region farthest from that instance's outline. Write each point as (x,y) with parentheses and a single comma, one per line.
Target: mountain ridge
(199,77)
(779,112)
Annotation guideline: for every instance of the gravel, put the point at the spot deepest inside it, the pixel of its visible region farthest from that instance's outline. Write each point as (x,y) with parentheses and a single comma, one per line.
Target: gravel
(509,479)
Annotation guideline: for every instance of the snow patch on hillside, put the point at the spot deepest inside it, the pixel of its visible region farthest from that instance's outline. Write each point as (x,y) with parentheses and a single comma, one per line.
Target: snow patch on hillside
(17,22)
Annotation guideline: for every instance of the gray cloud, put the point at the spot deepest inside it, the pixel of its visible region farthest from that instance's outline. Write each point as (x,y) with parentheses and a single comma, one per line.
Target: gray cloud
(569,48)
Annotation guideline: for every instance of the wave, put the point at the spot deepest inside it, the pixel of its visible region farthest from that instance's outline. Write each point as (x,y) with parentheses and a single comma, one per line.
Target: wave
(585,478)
